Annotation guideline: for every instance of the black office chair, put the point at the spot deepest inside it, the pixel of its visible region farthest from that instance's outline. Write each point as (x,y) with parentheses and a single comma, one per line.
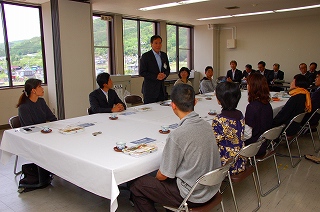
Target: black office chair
(14,122)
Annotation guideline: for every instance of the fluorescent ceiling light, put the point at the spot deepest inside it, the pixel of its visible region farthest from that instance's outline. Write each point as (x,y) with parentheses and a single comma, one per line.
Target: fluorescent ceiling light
(255,13)
(191,1)
(212,18)
(173,4)
(260,13)
(298,8)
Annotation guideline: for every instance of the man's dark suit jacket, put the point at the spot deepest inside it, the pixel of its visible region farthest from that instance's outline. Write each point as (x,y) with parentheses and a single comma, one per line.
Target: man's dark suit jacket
(237,75)
(99,103)
(245,73)
(152,88)
(315,102)
(268,74)
(280,75)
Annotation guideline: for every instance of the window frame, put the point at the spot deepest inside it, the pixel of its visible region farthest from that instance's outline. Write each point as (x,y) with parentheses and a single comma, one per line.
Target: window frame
(111,43)
(6,42)
(156,32)
(191,45)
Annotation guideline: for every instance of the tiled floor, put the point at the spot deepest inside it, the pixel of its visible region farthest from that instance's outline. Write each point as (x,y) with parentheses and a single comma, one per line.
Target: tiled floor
(299,190)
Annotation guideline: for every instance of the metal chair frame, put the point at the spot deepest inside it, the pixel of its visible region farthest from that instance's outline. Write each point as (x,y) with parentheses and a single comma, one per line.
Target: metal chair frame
(308,127)
(211,178)
(249,152)
(297,119)
(269,135)
(14,122)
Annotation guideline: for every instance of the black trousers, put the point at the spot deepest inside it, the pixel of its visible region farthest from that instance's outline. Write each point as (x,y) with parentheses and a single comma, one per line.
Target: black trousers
(148,190)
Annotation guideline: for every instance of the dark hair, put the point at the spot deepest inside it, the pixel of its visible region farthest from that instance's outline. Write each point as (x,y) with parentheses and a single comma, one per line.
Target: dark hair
(277,64)
(301,81)
(302,64)
(30,84)
(233,61)
(103,78)
(183,96)
(228,94)
(154,37)
(248,66)
(184,69)
(259,89)
(262,63)
(313,63)
(207,68)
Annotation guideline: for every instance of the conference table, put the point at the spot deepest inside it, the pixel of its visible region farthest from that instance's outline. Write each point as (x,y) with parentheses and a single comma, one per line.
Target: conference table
(89,161)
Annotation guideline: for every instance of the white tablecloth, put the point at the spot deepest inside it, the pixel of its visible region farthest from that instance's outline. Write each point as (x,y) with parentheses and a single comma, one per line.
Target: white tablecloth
(89,161)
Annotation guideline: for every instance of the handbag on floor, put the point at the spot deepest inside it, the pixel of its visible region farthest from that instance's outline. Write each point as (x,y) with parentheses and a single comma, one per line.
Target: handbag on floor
(33,177)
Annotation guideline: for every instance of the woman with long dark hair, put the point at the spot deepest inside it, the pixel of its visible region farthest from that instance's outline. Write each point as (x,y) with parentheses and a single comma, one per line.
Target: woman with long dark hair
(259,114)
(32,109)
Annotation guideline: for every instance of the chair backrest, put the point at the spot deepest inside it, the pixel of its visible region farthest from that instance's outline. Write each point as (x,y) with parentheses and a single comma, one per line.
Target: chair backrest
(313,114)
(89,111)
(133,100)
(297,119)
(209,179)
(272,133)
(14,122)
(252,149)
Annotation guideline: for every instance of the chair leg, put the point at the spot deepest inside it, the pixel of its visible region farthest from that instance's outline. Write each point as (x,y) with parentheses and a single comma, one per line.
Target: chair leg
(15,167)
(257,192)
(291,158)
(314,143)
(232,191)
(255,183)
(222,206)
(274,187)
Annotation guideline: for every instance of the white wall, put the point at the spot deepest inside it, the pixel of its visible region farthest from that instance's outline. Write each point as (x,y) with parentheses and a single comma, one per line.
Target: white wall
(288,42)
(77,56)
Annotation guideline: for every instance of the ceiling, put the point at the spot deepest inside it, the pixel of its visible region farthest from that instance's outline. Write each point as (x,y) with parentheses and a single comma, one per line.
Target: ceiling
(188,14)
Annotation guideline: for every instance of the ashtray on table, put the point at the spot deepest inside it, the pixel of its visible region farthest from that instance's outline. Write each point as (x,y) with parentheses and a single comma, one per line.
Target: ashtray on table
(46,131)
(113,118)
(118,150)
(164,132)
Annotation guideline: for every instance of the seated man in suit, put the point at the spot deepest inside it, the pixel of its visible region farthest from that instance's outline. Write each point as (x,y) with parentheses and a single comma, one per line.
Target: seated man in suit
(234,74)
(105,99)
(247,71)
(277,75)
(265,72)
(313,72)
(304,71)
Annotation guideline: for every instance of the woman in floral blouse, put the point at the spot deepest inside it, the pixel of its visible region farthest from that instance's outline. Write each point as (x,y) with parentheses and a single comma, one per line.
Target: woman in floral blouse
(228,126)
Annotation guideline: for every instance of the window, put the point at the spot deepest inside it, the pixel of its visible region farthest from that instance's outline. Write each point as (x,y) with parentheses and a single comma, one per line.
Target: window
(179,47)
(136,41)
(102,44)
(21,44)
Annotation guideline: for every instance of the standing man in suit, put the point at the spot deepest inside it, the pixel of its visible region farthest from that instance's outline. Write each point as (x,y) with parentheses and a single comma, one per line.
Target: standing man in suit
(265,72)
(154,67)
(234,74)
(105,99)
